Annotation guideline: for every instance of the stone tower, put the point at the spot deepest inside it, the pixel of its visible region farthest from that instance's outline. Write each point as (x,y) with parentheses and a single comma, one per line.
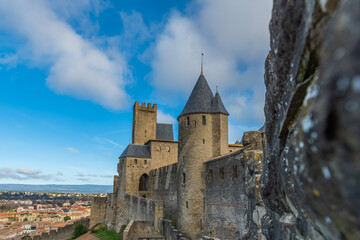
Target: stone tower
(203,134)
(144,123)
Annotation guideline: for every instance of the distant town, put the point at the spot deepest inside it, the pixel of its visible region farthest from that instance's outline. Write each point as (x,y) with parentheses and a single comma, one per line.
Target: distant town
(30,214)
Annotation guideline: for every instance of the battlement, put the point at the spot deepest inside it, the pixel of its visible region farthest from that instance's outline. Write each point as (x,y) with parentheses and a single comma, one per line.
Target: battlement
(144,122)
(145,106)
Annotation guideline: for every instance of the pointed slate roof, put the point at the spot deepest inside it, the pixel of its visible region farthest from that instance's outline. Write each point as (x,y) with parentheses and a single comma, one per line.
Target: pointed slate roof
(202,100)
(136,150)
(217,105)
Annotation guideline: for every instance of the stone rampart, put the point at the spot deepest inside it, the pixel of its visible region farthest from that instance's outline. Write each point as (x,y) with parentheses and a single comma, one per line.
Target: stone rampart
(98,210)
(163,187)
(121,210)
(225,200)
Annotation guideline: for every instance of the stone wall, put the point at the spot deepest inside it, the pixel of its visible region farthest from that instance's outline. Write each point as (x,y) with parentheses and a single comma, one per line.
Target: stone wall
(62,233)
(163,187)
(163,153)
(135,168)
(232,195)
(170,232)
(138,229)
(225,200)
(98,210)
(121,210)
(312,168)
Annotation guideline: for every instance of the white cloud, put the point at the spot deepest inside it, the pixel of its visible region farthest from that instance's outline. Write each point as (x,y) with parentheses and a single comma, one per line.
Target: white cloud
(27,171)
(78,68)
(165,118)
(8,59)
(73,150)
(23,174)
(235,39)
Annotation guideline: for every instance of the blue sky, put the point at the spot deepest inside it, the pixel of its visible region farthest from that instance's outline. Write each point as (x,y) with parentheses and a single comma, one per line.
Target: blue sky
(70,72)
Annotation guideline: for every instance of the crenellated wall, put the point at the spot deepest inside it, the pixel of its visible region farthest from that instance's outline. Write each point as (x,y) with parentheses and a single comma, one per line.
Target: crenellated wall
(144,122)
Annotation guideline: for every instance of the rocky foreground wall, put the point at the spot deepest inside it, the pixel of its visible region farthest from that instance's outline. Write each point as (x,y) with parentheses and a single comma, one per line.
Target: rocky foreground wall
(312,160)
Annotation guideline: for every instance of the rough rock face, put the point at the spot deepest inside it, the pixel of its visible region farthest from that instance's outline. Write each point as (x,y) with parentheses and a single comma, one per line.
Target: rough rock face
(311,177)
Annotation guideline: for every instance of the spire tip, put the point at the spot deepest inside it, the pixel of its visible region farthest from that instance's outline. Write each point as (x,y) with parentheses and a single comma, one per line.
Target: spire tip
(202,62)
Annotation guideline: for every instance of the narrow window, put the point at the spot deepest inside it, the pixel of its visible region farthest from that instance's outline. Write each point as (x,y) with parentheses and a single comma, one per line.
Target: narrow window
(187,121)
(235,174)
(203,141)
(145,162)
(158,148)
(184,178)
(187,204)
(203,120)
(210,175)
(194,123)
(222,173)
(135,161)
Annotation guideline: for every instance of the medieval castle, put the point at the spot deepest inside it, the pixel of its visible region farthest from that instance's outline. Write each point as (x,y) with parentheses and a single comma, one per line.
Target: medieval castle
(200,183)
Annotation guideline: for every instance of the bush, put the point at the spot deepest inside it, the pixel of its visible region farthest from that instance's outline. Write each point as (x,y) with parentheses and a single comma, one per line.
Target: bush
(79,230)
(67,218)
(122,228)
(104,234)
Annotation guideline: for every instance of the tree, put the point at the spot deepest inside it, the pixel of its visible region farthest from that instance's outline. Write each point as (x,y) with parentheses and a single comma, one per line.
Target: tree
(25,220)
(27,237)
(67,218)
(79,230)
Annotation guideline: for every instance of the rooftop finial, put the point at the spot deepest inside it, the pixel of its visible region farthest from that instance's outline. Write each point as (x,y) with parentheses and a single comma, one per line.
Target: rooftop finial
(217,90)
(202,62)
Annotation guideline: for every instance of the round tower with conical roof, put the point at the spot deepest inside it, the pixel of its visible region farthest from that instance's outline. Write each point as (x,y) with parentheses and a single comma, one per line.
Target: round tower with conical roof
(203,134)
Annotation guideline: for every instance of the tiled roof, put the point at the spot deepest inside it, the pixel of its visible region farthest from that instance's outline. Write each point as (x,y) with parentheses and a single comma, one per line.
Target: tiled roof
(136,150)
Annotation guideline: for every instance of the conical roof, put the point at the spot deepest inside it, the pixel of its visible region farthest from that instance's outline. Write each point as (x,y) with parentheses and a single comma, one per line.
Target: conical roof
(218,106)
(200,98)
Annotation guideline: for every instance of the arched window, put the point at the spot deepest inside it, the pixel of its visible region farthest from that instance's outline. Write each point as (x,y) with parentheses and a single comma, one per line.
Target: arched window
(135,161)
(184,178)
(194,123)
(187,121)
(203,120)
(144,182)
(203,141)
(145,162)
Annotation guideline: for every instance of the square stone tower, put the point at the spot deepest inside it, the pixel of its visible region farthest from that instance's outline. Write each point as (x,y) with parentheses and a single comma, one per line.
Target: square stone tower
(144,123)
